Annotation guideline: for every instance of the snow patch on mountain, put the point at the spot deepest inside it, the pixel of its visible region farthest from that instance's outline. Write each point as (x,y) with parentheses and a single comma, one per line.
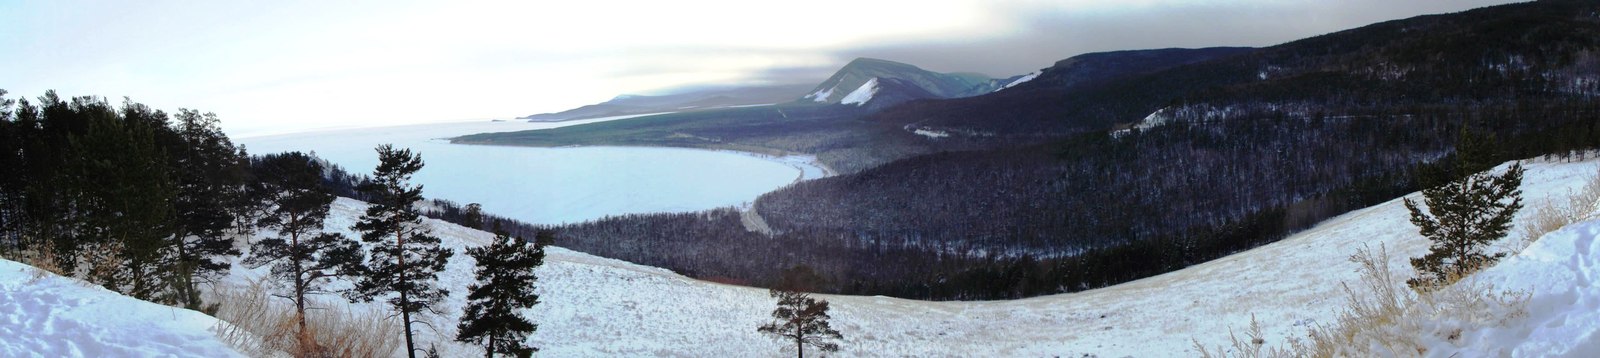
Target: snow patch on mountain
(931,133)
(862,94)
(1155,119)
(821,96)
(1021,80)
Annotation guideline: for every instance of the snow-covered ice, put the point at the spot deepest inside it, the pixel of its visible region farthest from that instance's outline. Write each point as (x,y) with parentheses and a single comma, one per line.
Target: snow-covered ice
(862,94)
(550,185)
(44,315)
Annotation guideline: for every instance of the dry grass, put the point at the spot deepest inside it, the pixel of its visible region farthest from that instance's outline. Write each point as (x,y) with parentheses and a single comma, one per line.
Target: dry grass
(1254,347)
(264,326)
(1556,213)
(41,257)
(1385,318)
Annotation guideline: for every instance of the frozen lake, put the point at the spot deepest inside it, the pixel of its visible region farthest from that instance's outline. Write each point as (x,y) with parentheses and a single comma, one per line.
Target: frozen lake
(552,185)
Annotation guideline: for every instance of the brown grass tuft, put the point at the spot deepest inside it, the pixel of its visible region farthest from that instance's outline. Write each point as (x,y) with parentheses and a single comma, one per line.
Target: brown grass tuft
(1555,213)
(262,325)
(1385,318)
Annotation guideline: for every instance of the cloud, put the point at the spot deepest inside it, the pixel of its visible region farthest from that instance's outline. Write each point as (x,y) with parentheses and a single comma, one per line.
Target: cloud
(304,63)
(1040,33)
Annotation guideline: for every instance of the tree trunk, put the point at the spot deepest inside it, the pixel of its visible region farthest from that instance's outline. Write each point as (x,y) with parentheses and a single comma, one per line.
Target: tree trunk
(405,311)
(299,284)
(799,342)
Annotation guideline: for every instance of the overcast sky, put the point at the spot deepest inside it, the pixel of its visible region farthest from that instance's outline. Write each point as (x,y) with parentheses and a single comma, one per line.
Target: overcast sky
(273,66)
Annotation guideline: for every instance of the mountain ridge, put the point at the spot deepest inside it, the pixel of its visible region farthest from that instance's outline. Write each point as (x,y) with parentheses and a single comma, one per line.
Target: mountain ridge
(697,99)
(904,82)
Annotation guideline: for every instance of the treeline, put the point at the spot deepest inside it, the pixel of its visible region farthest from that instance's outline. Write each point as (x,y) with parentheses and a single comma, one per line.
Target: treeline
(153,206)
(127,196)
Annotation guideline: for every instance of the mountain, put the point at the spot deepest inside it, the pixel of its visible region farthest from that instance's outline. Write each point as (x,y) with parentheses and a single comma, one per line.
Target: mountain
(1052,94)
(875,83)
(1100,67)
(693,99)
(1539,50)
(975,196)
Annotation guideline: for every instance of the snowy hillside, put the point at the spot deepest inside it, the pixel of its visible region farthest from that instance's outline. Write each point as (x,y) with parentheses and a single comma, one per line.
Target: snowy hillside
(601,307)
(44,315)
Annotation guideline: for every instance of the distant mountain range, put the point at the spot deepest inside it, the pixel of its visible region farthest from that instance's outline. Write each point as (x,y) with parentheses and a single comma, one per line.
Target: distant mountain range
(717,97)
(864,82)
(875,83)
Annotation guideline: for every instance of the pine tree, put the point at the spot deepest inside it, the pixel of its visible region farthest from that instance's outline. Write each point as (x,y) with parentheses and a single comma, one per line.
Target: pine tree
(799,317)
(406,266)
(119,189)
(301,254)
(11,178)
(505,286)
(1465,215)
(208,163)
(472,215)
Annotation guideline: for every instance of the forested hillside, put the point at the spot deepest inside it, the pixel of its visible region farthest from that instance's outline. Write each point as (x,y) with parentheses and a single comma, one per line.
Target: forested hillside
(1218,156)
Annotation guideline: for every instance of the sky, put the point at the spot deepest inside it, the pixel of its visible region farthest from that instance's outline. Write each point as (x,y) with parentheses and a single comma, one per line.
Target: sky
(281,66)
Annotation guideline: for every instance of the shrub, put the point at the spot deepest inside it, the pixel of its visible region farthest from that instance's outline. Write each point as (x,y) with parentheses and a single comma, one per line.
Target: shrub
(261,327)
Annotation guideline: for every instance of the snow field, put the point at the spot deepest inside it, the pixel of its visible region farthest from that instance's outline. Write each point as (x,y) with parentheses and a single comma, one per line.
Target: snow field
(45,315)
(1291,286)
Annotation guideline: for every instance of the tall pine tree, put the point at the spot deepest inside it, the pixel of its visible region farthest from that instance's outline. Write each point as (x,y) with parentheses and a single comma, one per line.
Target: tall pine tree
(208,162)
(1463,216)
(505,286)
(301,254)
(120,189)
(405,259)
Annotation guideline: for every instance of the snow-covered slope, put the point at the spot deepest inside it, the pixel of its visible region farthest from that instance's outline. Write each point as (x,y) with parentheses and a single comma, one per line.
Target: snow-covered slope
(595,306)
(1561,270)
(44,315)
(601,307)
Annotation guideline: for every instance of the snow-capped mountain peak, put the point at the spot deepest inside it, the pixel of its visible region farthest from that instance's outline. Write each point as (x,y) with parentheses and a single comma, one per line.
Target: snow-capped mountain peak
(862,94)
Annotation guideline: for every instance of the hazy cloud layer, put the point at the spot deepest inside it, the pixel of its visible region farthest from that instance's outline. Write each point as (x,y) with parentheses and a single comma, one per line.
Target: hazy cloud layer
(1046,34)
(306,63)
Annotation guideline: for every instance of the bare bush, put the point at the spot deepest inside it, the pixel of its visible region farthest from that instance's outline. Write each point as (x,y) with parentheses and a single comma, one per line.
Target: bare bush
(261,327)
